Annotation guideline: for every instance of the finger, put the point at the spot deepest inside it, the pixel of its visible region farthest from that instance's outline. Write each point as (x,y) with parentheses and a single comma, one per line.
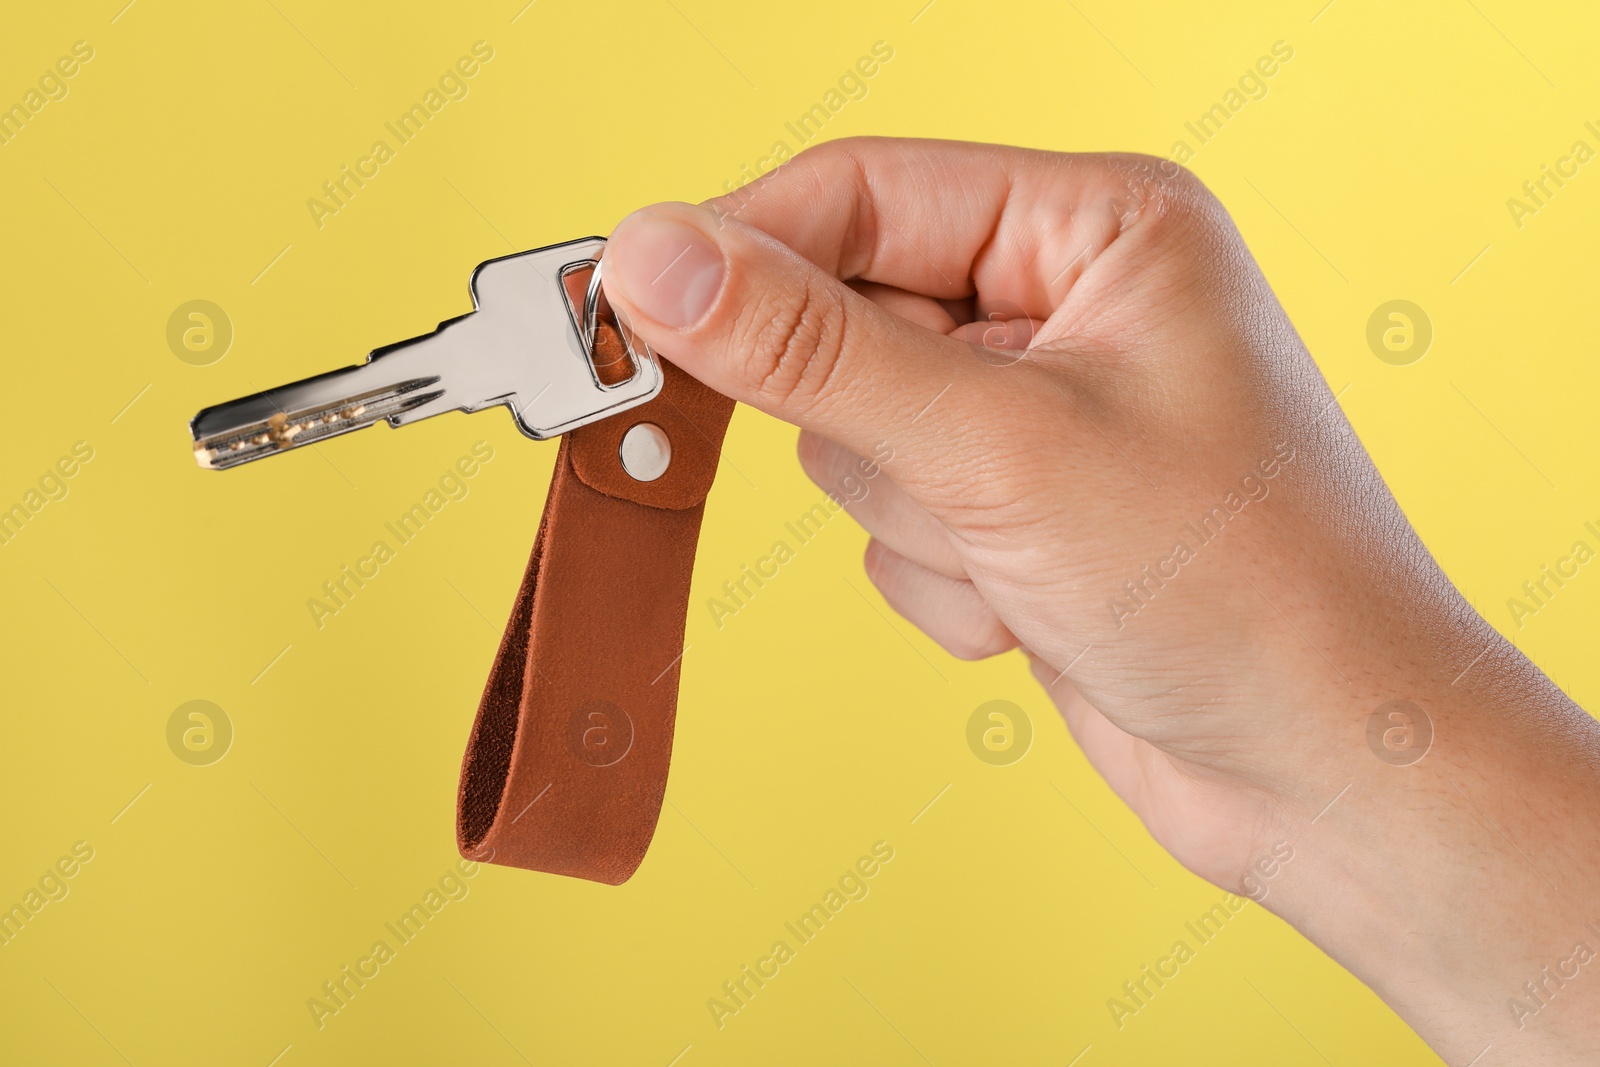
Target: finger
(949,219)
(752,319)
(925,311)
(881,507)
(998,331)
(951,612)
(1001,329)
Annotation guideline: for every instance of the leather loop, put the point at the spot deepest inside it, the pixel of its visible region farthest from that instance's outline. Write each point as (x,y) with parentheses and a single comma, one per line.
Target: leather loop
(567,763)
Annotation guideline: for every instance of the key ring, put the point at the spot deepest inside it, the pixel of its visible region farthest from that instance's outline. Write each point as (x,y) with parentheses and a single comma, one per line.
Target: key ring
(592,298)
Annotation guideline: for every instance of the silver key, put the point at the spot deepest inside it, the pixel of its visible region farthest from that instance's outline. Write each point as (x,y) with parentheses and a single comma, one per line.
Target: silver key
(527,346)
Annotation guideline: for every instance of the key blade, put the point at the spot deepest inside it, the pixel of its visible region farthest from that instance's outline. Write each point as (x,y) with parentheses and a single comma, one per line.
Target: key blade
(399,383)
(307,411)
(527,346)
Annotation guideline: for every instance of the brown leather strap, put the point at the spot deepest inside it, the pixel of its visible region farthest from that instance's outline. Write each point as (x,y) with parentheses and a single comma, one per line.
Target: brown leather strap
(567,763)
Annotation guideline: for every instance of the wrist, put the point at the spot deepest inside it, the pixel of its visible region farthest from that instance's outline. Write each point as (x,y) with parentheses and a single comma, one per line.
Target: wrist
(1444,872)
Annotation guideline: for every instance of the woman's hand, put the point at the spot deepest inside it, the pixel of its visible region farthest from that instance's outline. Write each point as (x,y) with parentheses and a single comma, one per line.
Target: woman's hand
(1107,445)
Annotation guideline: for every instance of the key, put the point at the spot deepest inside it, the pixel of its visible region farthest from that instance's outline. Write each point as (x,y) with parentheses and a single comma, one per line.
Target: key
(529,345)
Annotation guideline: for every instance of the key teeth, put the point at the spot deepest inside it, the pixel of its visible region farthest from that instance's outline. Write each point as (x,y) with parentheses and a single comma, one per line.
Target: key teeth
(279,432)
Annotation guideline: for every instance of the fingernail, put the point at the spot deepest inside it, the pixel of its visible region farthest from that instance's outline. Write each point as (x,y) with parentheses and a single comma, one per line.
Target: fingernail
(669,270)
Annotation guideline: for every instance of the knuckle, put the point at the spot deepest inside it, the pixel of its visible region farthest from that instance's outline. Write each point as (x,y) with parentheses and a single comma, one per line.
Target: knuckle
(821,459)
(957,618)
(842,154)
(876,562)
(812,451)
(829,153)
(981,638)
(1188,198)
(1157,189)
(795,342)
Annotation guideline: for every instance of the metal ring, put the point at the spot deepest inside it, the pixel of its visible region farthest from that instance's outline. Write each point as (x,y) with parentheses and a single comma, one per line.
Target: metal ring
(592,298)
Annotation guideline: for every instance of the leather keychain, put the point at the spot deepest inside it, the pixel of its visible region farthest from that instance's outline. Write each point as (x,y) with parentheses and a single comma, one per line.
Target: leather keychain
(567,763)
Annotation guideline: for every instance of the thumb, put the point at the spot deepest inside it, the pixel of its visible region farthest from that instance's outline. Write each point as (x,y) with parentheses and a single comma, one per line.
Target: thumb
(754,320)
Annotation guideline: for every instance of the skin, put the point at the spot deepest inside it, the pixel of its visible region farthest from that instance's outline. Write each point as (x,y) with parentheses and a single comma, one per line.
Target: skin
(1075,360)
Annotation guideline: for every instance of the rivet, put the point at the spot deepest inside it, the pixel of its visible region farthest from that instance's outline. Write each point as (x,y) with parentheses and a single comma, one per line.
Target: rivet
(645,452)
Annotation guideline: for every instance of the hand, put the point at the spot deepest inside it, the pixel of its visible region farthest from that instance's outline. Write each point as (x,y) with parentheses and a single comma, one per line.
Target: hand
(1108,446)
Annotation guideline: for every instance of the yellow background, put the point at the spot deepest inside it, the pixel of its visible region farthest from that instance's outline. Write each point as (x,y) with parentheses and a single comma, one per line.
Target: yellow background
(813,723)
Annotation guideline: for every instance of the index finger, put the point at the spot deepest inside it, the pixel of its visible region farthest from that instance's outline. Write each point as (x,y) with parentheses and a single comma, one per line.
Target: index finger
(950,219)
